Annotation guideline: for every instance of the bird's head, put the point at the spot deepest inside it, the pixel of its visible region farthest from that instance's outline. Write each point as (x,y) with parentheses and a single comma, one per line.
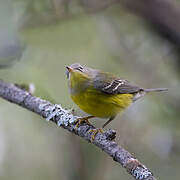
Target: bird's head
(79,75)
(79,71)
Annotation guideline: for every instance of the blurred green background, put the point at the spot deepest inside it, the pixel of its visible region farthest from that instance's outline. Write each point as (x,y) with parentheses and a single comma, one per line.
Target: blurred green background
(38,38)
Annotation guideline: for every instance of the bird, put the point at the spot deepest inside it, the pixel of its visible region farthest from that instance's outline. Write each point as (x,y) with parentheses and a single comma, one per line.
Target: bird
(101,94)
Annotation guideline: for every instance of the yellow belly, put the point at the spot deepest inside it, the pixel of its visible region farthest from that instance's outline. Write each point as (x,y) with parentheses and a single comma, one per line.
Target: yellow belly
(100,104)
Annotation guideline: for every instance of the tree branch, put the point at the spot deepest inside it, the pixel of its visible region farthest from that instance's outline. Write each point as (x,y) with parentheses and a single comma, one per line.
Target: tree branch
(66,120)
(162,14)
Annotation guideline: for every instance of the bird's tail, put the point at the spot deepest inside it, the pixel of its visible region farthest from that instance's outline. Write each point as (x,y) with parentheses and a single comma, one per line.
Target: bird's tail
(155,90)
(144,91)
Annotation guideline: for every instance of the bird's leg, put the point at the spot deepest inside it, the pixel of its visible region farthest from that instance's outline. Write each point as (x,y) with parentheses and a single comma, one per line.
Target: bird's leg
(100,130)
(110,119)
(94,132)
(80,121)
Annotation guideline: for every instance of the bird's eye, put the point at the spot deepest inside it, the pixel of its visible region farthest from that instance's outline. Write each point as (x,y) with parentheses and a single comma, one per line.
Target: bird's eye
(80,68)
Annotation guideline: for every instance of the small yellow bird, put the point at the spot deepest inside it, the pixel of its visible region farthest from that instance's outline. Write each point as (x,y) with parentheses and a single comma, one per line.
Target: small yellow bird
(101,94)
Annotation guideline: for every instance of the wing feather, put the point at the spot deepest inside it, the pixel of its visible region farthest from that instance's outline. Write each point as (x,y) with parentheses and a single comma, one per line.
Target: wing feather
(114,85)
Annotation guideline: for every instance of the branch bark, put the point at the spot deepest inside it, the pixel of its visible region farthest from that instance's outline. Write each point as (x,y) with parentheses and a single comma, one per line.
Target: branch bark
(65,119)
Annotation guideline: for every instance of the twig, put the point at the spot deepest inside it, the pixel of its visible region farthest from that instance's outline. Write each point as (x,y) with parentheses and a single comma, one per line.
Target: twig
(163,15)
(66,119)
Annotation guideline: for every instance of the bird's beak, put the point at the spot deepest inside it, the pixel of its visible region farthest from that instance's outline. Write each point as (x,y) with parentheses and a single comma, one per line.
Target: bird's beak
(69,68)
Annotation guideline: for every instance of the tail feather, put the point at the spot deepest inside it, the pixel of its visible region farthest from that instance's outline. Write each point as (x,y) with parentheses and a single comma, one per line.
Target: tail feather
(155,90)
(141,93)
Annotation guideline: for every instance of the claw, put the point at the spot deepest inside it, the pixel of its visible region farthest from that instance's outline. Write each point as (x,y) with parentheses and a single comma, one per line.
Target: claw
(94,132)
(80,121)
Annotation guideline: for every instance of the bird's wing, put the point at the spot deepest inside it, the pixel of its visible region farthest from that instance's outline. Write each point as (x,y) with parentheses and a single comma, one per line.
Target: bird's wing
(109,84)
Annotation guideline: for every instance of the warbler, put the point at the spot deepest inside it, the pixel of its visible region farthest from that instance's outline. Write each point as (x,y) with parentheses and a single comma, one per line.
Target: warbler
(101,94)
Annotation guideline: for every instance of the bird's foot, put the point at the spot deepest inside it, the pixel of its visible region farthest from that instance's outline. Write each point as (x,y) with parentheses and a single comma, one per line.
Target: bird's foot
(94,133)
(80,121)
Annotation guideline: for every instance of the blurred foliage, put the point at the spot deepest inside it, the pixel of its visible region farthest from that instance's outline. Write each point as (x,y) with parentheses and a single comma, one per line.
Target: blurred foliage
(56,33)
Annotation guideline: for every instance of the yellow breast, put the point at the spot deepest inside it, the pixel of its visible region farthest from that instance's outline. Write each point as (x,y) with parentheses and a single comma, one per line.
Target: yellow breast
(99,104)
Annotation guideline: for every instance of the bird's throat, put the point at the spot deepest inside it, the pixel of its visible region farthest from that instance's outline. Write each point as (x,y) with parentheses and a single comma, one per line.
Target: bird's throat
(78,82)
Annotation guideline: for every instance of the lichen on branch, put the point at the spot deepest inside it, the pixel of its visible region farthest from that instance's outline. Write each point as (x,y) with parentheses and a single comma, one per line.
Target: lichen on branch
(65,119)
